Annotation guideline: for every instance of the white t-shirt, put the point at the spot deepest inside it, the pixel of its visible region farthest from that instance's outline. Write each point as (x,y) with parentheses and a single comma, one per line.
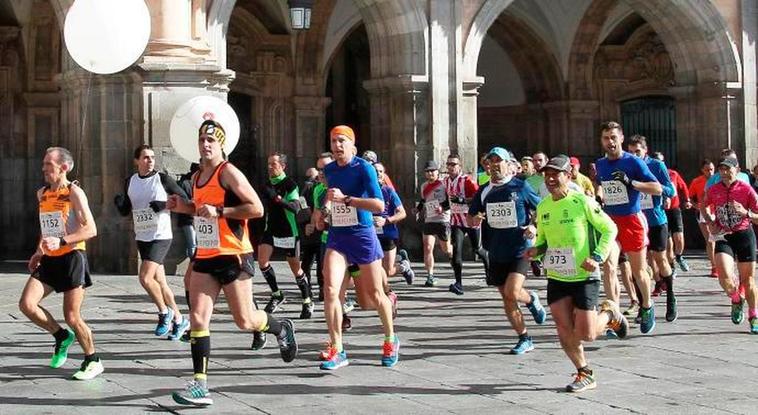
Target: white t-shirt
(149,225)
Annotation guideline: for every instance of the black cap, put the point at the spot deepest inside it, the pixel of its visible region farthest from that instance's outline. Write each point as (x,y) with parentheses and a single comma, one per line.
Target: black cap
(729,161)
(431,165)
(560,162)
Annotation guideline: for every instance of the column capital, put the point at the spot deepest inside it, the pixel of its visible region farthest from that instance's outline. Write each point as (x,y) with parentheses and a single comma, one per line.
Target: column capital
(471,85)
(412,84)
(176,74)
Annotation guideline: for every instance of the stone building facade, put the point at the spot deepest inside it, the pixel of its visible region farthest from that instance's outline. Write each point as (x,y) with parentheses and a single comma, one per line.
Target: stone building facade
(418,79)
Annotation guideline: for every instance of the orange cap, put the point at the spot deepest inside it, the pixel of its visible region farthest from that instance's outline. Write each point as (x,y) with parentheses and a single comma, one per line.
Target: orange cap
(343,130)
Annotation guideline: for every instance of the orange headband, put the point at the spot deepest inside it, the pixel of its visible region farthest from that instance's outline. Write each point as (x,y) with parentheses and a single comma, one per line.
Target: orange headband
(343,130)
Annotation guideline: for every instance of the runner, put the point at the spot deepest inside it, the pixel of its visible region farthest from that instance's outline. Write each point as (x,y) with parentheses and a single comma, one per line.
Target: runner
(505,205)
(353,194)
(388,233)
(460,190)
(310,237)
(575,236)
(652,207)
(583,181)
(222,201)
(735,204)
(537,180)
(282,202)
(60,262)
(483,170)
(697,192)
(673,206)
(623,178)
(434,206)
(145,196)
(319,197)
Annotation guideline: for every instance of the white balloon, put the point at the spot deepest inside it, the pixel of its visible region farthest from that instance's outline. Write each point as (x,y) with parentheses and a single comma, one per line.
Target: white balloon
(107,36)
(190,115)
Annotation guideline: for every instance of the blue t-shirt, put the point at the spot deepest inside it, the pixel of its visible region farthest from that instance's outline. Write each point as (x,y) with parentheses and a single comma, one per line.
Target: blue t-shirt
(716,177)
(635,169)
(505,244)
(357,179)
(391,203)
(657,216)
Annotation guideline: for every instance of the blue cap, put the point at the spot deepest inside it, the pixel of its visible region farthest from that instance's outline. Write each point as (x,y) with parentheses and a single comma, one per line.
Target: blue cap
(500,152)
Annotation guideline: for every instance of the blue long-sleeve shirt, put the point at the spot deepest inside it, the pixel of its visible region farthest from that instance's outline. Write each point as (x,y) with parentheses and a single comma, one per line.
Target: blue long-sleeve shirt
(652,206)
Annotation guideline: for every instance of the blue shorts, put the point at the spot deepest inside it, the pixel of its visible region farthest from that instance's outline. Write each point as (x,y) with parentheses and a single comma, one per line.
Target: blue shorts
(359,248)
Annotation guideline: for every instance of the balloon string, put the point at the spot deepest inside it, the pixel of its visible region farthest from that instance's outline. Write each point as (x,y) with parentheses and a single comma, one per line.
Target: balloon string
(80,144)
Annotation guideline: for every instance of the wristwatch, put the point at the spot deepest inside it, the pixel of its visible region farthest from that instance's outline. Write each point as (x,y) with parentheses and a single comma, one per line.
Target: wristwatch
(347,200)
(597,258)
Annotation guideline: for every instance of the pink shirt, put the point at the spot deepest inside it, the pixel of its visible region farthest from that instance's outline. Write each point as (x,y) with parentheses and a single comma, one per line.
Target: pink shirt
(720,197)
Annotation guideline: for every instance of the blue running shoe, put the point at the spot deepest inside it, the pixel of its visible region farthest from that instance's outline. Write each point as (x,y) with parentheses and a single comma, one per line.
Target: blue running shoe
(164,323)
(754,325)
(194,394)
(537,310)
(524,345)
(391,352)
(647,323)
(177,329)
(336,361)
(610,334)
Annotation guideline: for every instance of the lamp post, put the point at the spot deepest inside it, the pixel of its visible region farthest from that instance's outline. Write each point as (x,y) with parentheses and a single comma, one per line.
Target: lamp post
(300,14)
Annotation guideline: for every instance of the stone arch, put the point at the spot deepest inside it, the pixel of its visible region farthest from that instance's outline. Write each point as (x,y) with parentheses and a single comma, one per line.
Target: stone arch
(485,17)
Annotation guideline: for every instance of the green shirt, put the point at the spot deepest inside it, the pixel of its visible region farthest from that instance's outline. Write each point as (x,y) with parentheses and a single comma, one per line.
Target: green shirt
(573,227)
(535,181)
(319,193)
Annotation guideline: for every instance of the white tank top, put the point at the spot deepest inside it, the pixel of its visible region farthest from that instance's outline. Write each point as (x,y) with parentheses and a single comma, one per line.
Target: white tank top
(149,225)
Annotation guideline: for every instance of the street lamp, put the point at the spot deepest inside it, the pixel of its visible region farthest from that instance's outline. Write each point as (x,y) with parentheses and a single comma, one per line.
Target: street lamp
(300,14)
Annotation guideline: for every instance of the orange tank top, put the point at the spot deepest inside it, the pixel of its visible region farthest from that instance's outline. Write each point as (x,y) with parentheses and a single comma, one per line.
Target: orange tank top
(56,218)
(218,236)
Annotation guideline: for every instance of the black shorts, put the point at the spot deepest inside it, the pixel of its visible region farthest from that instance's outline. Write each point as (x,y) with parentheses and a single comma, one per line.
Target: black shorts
(739,245)
(659,238)
(154,251)
(225,268)
(498,272)
(64,272)
(388,244)
(583,294)
(676,224)
(293,252)
(441,230)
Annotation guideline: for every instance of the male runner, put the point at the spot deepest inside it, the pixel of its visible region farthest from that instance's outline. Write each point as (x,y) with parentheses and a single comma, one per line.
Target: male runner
(60,262)
(505,206)
(388,233)
(434,205)
(282,202)
(145,196)
(697,192)
(673,209)
(222,201)
(575,237)
(623,177)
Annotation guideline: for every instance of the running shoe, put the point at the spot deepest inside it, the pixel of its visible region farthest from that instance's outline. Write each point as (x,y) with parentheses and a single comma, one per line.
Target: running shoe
(164,323)
(347,323)
(582,382)
(328,352)
(409,275)
(754,325)
(89,370)
(430,281)
(177,328)
(194,394)
(617,323)
(403,255)
(610,334)
(683,265)
(287,341)
(714,273)
(274,304)
(738,315)
(524,345)
(633,309)
(537,310)
(456,288)
(307,311)
(391,352)
(672,312)
(393,299)
(60,354)
(186,337)
(336,361)
(259,340)
(536,268)
(647,323)
(348,306)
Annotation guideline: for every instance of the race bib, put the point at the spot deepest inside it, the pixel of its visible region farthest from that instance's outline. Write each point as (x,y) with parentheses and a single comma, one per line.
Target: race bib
(286,243)
(344,215)
(303,203)
(646,201)
(459,208)
(51,224)
(615,193)
(145,221)
(560,261)
(379,230)
(431,208)
(207,232)
(502,215)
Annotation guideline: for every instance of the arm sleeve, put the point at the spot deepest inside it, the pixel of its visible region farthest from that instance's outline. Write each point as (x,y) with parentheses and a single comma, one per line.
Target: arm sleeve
(601,222)
(395,201)
(541,242)
(664,179)
(643,172)
(291,199)
(371,183)
(681,186)
(470,187)
(753,201)
(170,185)
(124,205)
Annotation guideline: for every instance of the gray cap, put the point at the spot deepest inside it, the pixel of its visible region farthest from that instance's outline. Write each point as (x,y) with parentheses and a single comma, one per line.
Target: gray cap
(431,165)
(370,156)
(561,162)
(729,161)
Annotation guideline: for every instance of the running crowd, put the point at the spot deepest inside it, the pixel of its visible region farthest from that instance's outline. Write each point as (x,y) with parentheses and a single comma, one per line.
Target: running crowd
(535,214)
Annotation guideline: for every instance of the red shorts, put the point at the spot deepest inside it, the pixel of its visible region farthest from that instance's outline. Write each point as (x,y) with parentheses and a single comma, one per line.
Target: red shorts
(632,235)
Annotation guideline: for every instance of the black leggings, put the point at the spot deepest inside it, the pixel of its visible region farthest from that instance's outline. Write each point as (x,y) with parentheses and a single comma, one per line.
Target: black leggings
(457,233)
(309,254)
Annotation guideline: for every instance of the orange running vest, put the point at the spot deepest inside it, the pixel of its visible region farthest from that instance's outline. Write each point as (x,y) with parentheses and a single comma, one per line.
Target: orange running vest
(58,219)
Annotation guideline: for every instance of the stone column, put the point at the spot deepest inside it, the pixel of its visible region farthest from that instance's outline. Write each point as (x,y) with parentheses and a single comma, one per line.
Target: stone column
(468,133)
(172,28)
(309,132)
(749,80)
